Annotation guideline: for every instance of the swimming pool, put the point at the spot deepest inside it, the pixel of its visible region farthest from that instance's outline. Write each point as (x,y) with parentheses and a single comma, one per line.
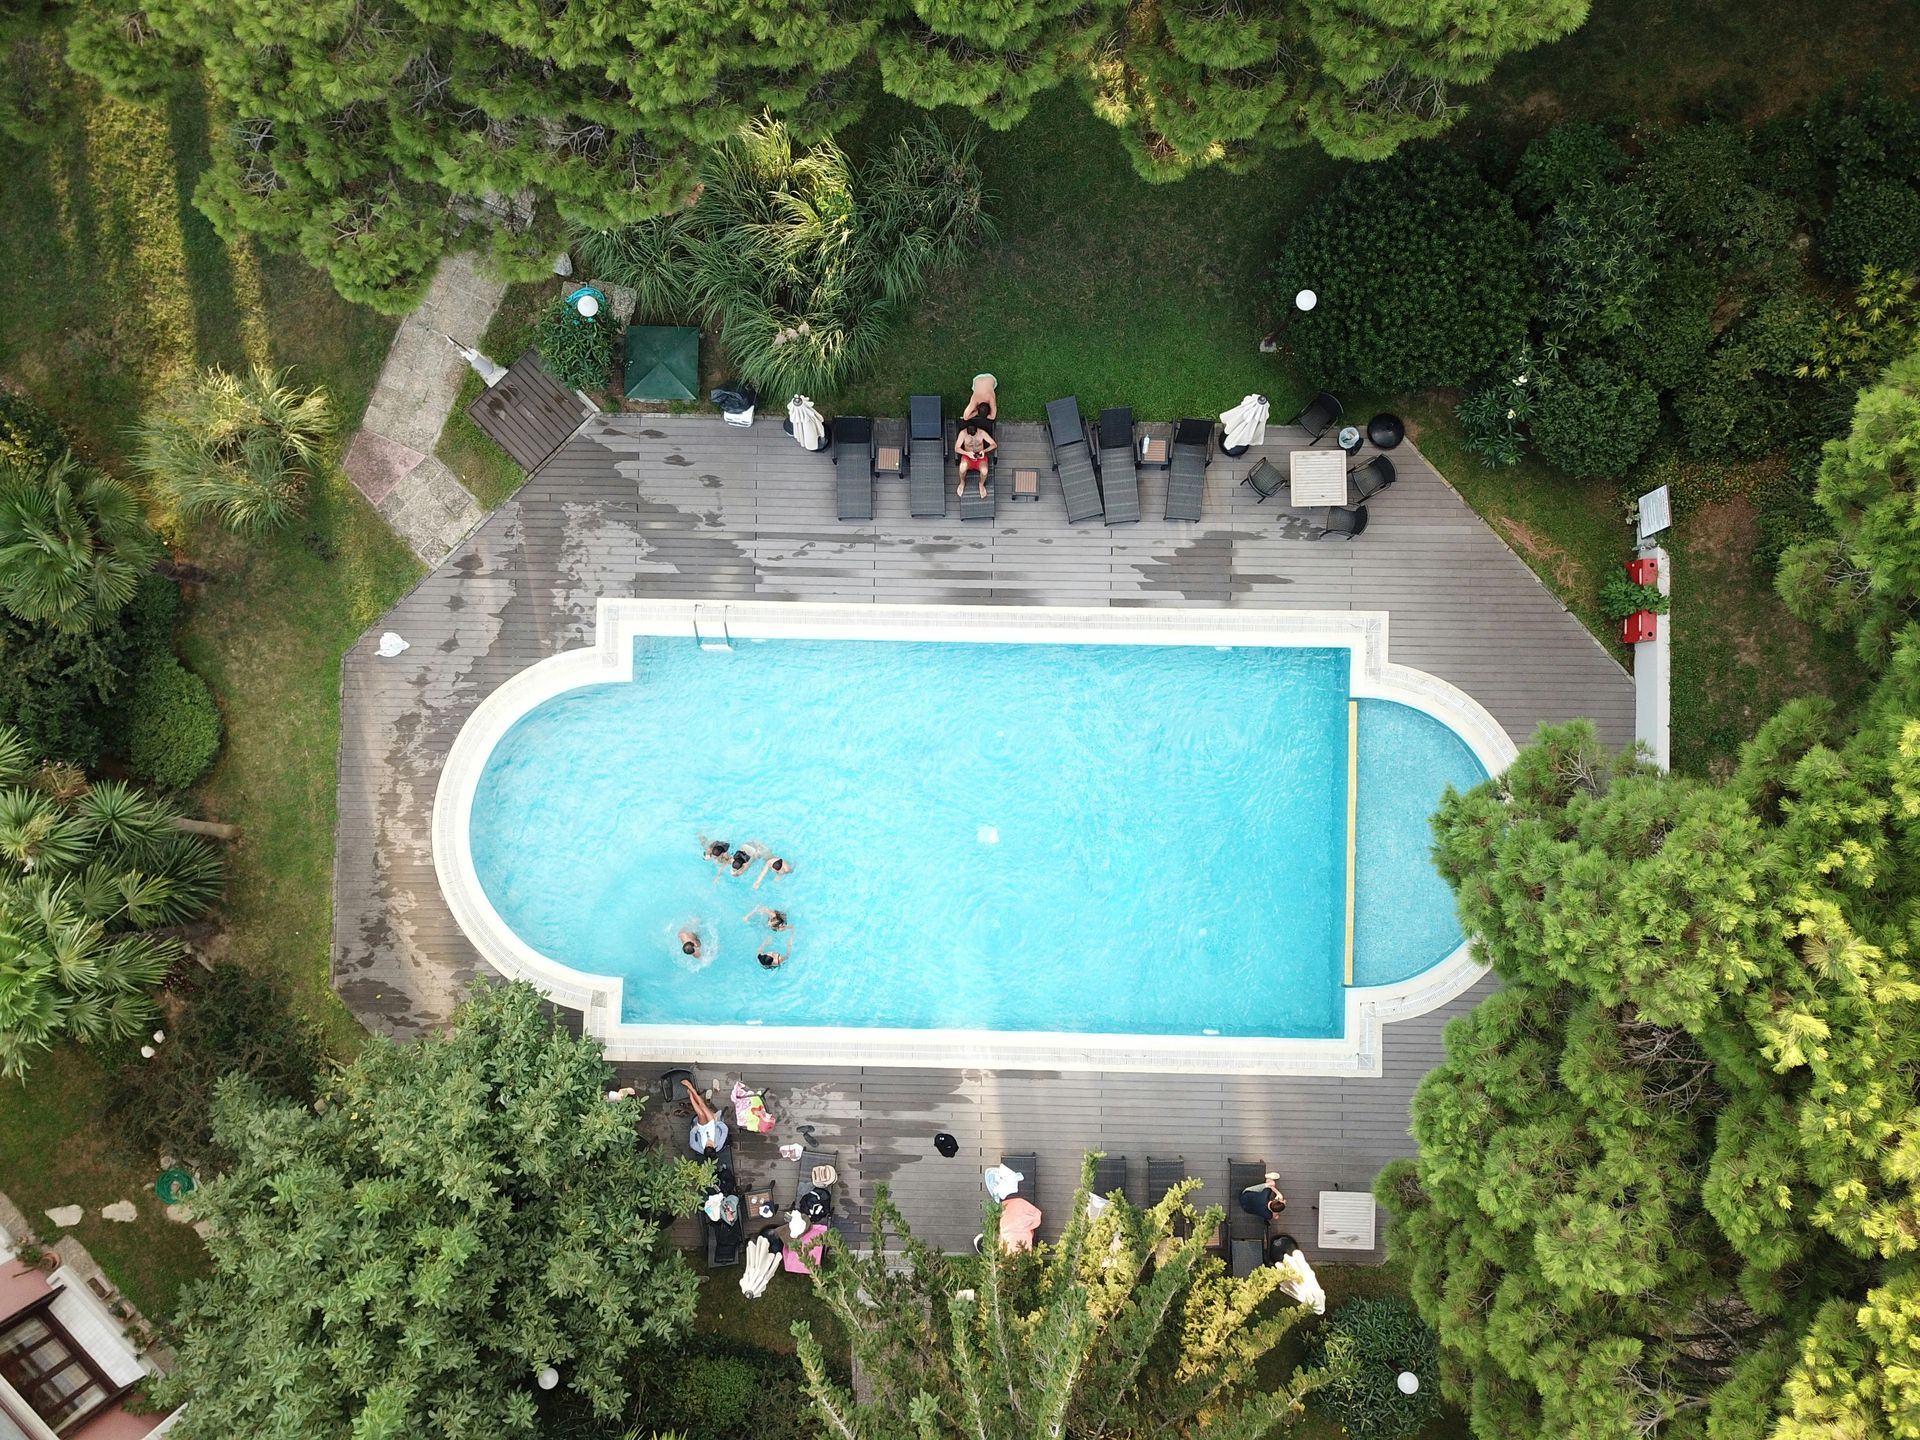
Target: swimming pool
(1042,834)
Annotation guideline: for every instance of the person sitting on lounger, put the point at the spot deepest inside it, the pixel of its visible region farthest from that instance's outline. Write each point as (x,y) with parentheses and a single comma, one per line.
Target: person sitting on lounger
(776,919)
(690,943)
(775,866)
(1264,1201)
(771,959)
(985,399)
(973,445)
(708,1137)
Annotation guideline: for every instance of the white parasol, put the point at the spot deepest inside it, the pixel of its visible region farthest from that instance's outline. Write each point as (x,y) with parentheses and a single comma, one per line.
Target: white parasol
(760,1267)
(1299,1281)
(808,428)
(486,369)
(1246,423)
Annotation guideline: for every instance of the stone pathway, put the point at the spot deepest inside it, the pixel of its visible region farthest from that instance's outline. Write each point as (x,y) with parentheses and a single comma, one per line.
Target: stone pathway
(391,457)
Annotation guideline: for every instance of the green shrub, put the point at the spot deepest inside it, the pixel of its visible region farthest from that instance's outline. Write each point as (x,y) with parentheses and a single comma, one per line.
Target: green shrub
(1573,156)
(1873,222)
(1421,271)
(1701,180)
(1745,403)
(1666,345)
(1592,419)
(1597,251)
(1365,1345)
(718,1393)
(1621,597)
(173,726)
(1493,419)
(30,438)
(576,349)
(232,1021)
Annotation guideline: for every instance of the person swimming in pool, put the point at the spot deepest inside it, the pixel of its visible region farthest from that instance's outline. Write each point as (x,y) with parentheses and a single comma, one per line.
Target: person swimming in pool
(771,959)
(776,919)
(690,944)
(742,859)
(775,866)
(716,851)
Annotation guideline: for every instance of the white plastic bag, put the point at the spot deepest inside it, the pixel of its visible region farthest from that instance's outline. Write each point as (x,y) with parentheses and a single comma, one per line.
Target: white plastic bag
(1001,1181)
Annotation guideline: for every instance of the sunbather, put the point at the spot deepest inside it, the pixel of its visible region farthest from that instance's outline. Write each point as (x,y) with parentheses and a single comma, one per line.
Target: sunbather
(775,866)
(973,445)
(776,919)
(708,1137)
(1264,1201)
(985,399)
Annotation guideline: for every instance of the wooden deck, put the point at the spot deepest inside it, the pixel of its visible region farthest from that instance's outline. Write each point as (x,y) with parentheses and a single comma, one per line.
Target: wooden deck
(686,506)
(529,414)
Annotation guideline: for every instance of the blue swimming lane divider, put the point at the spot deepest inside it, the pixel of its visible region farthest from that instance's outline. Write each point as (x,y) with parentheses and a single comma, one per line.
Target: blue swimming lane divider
(1353,812)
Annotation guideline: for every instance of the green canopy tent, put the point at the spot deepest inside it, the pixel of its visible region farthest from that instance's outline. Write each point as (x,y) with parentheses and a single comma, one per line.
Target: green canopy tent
(663,362)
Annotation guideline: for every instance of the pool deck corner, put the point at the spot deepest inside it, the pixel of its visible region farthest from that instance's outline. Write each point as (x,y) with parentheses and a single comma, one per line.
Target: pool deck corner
(686,507)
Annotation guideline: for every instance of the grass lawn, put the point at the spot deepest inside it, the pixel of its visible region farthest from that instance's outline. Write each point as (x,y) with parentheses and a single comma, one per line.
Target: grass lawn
(766,1323)
(483,467)
(56,1149)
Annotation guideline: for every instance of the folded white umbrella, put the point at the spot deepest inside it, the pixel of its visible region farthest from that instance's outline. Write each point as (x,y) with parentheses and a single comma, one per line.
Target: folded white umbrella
(760,1265)
(1299,1281)
(808,428)
(1246,423)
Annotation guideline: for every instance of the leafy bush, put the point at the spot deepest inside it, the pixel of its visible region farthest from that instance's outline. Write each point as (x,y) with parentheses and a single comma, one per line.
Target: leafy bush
(1421,271)
(233,1021)
(1494,417)
(30,438)
(239,448)
(1666,345)
(1621,597)
(1597,252)
(1574,156)
(1591,418)
(799,259)
(1861,337)
(173,726)
(1744,403)
(718,1393)
(1365,1345)
(703,1393)
(577,349)
(74,543)
(1873,222)
(1700,179)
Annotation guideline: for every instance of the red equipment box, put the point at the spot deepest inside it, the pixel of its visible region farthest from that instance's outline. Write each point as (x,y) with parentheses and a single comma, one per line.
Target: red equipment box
(1637,627)
(1643,571)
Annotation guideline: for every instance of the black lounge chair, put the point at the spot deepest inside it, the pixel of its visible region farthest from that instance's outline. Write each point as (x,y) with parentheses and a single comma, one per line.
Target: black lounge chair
(1119,476)
(726,1243)
(1265,478)
(1371,478)
(1341,522)
(1187,468)
(853,467)
(926,457)
(1073,460)
(972,507)
(1110,1174)
(1321,415)
(1246,1234)
(1162,1176)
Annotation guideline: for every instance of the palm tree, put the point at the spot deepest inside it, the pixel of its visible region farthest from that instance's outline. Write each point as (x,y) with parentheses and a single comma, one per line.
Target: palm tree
(240,448)
(74,543)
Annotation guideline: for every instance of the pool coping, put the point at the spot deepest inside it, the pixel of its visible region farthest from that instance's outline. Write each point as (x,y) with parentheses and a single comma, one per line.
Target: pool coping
(1356,1052)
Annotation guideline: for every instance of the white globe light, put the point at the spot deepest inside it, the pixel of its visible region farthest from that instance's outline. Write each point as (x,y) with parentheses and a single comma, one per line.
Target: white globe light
(587,305)
(1305,300)
(1408,1382)
(146,1052)
(547,1378)
(158,1036)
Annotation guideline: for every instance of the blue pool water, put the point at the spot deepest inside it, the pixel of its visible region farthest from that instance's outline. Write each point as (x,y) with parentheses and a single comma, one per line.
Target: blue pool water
(1101,838)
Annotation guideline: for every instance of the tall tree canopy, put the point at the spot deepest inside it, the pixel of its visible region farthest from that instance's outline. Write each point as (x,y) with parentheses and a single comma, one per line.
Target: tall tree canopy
(1667,1175)
(1122,1330)
(403,1258)
(369,134)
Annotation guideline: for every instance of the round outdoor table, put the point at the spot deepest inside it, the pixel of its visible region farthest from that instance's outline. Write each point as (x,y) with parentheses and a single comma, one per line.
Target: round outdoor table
(1386,431)
(1350,439)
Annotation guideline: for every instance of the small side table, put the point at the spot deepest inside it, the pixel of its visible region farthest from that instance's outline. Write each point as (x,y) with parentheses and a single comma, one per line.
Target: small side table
(759,1205)
(1153,451)
(886,460)
(1026,484)
(1351,439)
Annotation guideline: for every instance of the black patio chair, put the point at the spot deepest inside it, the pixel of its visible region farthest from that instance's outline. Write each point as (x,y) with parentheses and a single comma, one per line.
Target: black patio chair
(1119,476)
(853,467)
(1321,415)
(1110,1174)
(1246,1234)
(926,457)
(1073,460)
(1162,1176)
(1371,478)
(1187,468)
(1341,522)
(1266,480)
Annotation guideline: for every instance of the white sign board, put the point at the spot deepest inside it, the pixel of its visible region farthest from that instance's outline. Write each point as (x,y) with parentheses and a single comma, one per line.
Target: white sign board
(1656,512)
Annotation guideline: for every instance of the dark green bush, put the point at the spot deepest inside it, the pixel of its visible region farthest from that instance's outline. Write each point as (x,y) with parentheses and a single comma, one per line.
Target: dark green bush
(1365,1345)
(1597,252)
(29,436)
(718,1393)
(1621,597)
(1873,222)
(1421,271)
(173,726)
(1702,182)
(1592,419)
(1570,158)
(577,351)
(1746,401)
(1667,343)
(232,1021)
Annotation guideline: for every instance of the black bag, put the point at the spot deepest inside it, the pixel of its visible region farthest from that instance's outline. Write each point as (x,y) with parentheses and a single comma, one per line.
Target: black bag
(816,1204)
(734,397)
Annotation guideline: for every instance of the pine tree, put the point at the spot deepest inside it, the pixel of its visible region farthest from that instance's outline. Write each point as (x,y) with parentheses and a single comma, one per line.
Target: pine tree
(404,1257)
(1667,1175)
(1122,1330)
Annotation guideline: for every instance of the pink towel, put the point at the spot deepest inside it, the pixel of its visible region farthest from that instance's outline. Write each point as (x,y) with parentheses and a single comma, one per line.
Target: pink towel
(1019,1221)
(809,1242)
(750,1109)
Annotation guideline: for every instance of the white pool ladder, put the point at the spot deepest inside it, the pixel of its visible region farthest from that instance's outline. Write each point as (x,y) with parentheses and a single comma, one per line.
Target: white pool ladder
(710,639)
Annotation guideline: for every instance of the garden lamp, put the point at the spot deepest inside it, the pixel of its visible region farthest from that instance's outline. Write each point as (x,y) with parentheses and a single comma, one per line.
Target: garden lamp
(1408,1382)
(547,1378)
(1305,301)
